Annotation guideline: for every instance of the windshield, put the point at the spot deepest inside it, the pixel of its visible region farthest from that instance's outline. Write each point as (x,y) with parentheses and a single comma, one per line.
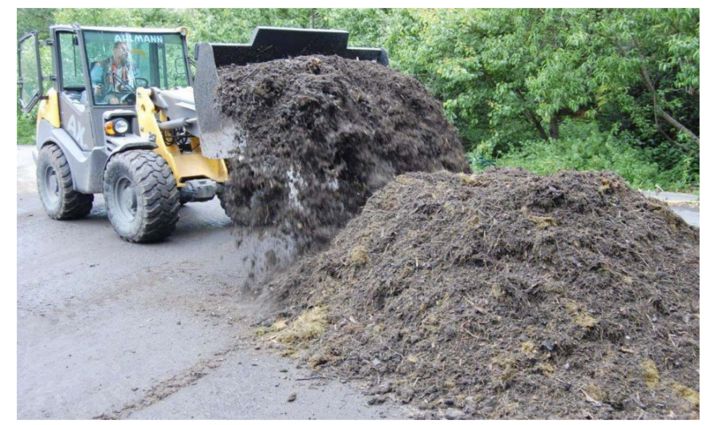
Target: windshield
(121,61)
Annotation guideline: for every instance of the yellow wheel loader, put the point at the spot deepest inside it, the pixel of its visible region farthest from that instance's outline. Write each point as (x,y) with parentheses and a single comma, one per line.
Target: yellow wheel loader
(124,116)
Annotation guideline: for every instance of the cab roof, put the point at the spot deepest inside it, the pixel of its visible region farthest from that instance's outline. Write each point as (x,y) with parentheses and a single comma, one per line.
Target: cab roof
(178,30)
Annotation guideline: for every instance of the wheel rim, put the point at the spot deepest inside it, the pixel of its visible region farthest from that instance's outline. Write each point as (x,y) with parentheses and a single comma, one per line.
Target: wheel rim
(51,186)
(125,197)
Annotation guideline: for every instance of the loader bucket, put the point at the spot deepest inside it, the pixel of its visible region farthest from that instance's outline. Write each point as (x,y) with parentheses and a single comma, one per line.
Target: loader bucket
(218,137)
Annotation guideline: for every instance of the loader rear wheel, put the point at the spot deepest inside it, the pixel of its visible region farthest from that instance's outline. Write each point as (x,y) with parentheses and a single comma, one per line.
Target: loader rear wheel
(56,188)
(142,200)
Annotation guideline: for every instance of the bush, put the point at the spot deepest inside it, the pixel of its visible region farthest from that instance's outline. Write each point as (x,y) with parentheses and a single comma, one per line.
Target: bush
(26,128)
(583,147)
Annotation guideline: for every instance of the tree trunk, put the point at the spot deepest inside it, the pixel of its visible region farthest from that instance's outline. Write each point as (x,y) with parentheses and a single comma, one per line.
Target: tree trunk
(531,116)
(680,127)
(537,122)
(555,127)
(659,112)
(313,16)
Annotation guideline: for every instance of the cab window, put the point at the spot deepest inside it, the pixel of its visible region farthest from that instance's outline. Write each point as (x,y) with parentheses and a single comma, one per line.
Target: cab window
(119,62)
(72,75)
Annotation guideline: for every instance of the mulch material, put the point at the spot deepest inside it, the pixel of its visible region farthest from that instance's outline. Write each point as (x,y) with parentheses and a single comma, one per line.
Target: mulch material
(506,295)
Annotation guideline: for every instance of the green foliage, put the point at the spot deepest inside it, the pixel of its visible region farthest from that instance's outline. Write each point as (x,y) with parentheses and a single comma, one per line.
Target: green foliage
(517,83)
(509,75)
(26,128)
(586,148)
(35,20)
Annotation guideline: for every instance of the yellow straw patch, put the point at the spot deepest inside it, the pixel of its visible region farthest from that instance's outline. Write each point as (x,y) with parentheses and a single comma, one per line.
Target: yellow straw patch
(689,394)
(650,373)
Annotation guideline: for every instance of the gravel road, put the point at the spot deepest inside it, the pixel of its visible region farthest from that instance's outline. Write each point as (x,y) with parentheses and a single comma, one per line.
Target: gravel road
(108,329)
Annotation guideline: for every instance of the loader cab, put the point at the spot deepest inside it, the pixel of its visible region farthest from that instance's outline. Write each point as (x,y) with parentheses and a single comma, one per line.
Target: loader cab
(96,71)
(99,69)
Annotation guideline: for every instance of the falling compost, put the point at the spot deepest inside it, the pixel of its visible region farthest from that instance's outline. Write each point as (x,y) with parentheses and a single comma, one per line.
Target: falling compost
(322,134)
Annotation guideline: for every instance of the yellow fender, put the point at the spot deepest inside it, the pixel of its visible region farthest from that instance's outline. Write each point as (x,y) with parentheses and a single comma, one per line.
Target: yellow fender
(49,109)
(185,166)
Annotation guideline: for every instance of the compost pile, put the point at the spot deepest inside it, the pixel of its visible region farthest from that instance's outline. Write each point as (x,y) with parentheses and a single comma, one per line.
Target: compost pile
(322,133)
(505,295)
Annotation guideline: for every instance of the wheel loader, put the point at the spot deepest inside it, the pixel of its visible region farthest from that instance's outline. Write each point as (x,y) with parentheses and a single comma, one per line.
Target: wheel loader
(124,116)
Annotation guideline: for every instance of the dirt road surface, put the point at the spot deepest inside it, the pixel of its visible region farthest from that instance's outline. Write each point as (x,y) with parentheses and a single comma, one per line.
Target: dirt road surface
(108,329)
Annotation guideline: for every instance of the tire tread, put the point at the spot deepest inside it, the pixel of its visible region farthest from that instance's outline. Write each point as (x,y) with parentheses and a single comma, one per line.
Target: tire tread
(158,193)
(73,204)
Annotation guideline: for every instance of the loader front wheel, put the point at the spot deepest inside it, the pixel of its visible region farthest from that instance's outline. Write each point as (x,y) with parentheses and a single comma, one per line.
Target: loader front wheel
(56,188)
(235,213)
(142,200)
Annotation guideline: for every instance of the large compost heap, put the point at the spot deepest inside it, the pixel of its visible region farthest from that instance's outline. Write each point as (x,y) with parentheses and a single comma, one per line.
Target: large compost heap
(505,295)
(322,134)
(496,295)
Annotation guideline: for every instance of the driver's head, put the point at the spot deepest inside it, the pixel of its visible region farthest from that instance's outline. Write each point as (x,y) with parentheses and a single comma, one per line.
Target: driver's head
(120,53)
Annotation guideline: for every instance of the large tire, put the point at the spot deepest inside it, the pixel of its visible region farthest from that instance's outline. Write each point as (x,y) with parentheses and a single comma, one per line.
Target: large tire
(56,188)
(226,200)
(223,202)
(235,212)
(142,199)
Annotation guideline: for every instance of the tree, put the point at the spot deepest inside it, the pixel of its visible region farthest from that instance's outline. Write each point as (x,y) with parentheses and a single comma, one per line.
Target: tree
(504,76)
(509,75)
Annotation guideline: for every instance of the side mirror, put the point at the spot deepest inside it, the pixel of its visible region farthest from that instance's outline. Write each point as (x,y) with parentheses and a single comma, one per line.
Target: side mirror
(142,82)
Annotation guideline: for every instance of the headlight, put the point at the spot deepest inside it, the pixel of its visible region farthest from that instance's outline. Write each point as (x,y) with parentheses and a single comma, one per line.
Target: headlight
(120,125)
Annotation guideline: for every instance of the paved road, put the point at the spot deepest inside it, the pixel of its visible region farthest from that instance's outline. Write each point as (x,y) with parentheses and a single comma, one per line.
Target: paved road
(108,329)
(115,330)
(686,205)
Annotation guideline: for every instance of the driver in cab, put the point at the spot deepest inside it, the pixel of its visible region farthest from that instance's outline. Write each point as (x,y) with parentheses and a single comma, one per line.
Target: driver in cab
(113,76)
